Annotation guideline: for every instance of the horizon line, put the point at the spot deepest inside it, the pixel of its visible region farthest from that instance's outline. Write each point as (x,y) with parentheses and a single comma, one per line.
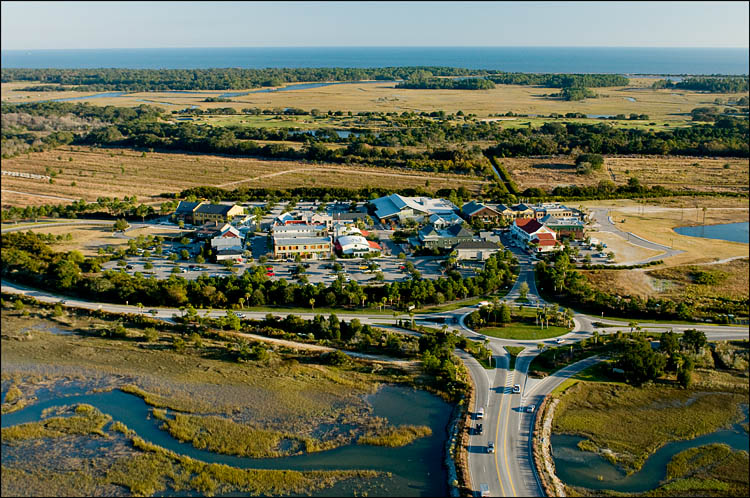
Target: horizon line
(376,46)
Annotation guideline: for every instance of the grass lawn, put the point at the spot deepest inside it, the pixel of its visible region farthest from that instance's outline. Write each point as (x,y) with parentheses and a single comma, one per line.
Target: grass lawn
(513,351)
(523,331)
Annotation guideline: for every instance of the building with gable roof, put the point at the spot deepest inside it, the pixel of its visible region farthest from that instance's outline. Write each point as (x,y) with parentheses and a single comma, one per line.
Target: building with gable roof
(530,231)
(477,210)
(396,207)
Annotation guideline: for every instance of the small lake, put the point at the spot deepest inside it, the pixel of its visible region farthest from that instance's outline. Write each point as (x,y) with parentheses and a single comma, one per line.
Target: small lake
(590,470)
(95,96)
(300,86)
(600,116)
(417,468)
(733,232)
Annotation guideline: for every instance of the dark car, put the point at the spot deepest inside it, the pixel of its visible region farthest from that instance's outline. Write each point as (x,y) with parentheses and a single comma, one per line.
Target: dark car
(479,429)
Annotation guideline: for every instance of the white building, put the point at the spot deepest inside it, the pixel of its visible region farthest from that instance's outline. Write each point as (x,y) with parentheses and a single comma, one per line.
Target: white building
(530,231)
(396,207)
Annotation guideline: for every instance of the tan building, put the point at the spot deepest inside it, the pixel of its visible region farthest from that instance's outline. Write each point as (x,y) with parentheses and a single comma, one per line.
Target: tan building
(221,213)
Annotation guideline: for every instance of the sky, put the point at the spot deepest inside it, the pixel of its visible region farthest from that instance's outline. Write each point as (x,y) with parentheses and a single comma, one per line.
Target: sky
(28,25)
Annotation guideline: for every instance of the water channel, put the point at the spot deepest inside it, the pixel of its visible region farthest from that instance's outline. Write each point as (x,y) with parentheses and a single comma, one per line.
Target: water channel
(417,469)
(733,232)
(590,470)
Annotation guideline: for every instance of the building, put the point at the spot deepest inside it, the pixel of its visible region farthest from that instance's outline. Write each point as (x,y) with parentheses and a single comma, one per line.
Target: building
(229,238)
(210,230)
(555,209)
(221,213)
(185,210)
(477,210)
(567,227)
(433,238)
(306,247)
(475,249)
(529,232)
(230,253)
(299,230)
(522,210)
(398,208)
(355,245)
(445,220)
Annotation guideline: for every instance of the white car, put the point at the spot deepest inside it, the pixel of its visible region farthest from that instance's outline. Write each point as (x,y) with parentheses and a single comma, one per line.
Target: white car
(530,408)
(559,340)
(517,388)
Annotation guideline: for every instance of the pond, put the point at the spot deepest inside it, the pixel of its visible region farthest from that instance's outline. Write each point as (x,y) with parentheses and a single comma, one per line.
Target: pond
(733,232)
(590,470)
(96,96)
(417,468)
(299,86)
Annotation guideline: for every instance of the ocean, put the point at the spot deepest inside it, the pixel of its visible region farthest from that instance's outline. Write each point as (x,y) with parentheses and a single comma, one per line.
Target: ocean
(512,59)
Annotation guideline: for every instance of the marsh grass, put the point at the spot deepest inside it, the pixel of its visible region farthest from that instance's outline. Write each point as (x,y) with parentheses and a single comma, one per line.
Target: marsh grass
(86,420)
(395,437)
(221,435)
(635,422)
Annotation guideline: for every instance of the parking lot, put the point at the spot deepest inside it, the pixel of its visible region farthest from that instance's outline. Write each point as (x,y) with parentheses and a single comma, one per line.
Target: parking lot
(322,271)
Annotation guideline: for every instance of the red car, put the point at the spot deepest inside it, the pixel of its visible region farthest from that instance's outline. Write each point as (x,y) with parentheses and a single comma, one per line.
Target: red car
(269,267)
(402,267)
(270,274)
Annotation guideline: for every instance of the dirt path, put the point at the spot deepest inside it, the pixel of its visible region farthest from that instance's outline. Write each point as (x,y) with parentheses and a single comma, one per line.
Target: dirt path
(342,170)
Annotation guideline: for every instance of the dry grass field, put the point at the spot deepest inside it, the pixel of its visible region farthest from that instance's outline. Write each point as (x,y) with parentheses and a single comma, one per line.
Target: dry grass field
(660,105)
(656,224)
(674,282)
(89,238)
(674,173)
(118,172)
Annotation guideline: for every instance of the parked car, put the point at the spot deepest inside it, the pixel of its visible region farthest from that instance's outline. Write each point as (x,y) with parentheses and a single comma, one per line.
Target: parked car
(270,274)
(559,340)
(479,429)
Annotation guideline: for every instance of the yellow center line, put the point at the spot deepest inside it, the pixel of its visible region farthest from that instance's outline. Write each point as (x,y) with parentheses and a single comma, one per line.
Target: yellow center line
(505,441)
(497,431)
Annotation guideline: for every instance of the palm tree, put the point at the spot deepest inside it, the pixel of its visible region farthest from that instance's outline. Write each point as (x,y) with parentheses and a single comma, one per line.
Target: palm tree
(632,325)
(312,303)
(596,337)
(363,298)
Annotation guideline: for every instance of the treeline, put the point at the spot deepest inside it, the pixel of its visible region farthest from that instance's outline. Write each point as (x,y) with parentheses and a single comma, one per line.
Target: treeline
(192,138)
(728,137)
(142,80)
(26,126)
(706,84)
(104,207)
(448,84)
(26,258)
(561,281)
(560,80)
(324,194)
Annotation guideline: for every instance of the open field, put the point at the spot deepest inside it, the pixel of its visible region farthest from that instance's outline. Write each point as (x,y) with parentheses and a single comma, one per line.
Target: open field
(124,172)
(662,106)
(678,283)
(89,238)
(674,173)
(658,227)
(635,422)
(655,219)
